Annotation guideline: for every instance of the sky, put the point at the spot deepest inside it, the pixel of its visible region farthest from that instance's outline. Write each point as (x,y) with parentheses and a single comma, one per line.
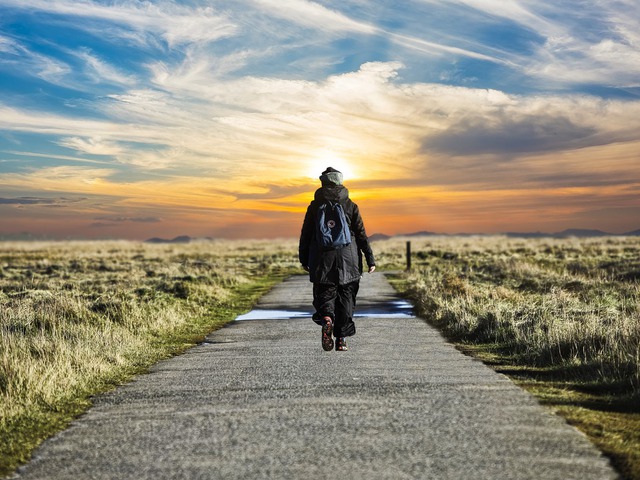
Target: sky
(133,119)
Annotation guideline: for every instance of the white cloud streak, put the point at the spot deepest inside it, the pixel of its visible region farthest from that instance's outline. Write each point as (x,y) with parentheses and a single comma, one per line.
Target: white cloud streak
(175,23)
(32,63)
(8,45)
(600,46)
(101,71)
(51,156)
(91,146)
(313,15)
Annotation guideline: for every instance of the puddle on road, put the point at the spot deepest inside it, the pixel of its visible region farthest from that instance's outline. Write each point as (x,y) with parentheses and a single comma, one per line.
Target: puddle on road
(395,309)
(272,315)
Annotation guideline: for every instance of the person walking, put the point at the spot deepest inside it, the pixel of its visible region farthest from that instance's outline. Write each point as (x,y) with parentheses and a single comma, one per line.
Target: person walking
(332,242)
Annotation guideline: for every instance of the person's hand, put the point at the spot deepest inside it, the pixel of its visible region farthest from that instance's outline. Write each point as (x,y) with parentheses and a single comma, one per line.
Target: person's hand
(306,268)
(372,268)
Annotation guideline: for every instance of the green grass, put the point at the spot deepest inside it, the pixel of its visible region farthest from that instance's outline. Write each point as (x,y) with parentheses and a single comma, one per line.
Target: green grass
(561,317)
(77,319)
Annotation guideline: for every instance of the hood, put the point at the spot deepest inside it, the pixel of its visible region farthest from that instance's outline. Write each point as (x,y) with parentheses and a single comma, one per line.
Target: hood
(332,193)
(331,176)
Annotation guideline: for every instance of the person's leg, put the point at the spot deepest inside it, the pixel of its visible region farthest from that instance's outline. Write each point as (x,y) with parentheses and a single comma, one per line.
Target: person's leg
(324,300)
(345,302)
(316,317)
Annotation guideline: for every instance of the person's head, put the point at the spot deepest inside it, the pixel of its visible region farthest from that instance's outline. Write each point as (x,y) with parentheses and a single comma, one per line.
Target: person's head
(330,177)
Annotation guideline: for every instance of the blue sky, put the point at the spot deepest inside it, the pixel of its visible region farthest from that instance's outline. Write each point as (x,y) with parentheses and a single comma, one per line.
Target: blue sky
(129,119)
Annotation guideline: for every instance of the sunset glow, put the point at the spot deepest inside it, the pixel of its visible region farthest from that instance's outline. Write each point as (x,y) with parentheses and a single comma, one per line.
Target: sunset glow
(328,158)
(206,118)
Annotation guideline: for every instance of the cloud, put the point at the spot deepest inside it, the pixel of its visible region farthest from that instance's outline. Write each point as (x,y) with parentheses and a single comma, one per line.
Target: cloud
(122,219)
(272,192)
(510,136)
(102,72)
(51,156)
(56,201)
(433,48)
(512,11)
(168,192)
(507,125)
(26,61)
(58,179)
(26,201)
(175,23)
(91,146)
(600,46)
(8,45)
(101,225)
(313,15)
(51,123)
(597,46)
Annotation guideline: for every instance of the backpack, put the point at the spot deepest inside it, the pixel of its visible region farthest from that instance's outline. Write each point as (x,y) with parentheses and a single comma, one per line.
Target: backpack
(332,228)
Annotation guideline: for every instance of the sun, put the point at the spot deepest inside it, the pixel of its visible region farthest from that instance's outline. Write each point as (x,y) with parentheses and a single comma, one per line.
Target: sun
(327,158)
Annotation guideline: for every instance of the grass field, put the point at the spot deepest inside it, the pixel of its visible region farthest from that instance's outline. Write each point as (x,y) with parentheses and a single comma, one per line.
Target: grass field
(561,317)
(79,318)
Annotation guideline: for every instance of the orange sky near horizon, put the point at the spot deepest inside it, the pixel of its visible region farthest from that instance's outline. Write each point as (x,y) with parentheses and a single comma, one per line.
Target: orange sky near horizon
(254,210)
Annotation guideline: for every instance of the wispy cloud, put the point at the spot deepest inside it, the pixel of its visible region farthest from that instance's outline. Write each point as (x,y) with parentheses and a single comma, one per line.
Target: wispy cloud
(8,45)
(28,62)
(92,146)
(55,201)
(313,15)
(46,122)
(512,11)
(53,157)
(597,46)
(175,23)
(121,219)
(101,71)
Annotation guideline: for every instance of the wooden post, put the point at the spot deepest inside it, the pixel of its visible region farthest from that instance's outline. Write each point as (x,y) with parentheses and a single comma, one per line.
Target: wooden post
(408,255)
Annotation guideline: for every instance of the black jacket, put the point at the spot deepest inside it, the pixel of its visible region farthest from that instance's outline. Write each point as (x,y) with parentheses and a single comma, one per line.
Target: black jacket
(337,266)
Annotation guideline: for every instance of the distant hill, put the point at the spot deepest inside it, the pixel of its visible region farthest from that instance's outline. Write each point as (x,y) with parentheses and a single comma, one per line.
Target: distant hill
(378,236)
(180,239)
(528,234)
(418,234)
(579,232)
(24,237)
(635,233)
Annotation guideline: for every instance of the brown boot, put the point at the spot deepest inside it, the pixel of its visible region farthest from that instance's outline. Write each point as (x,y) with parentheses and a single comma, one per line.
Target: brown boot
(327,331)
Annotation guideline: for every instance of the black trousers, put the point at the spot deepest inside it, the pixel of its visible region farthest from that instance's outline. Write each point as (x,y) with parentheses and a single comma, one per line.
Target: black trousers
(337,302)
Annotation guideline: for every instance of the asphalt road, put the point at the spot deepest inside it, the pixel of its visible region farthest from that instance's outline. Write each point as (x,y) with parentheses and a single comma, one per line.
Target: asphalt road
(261,399)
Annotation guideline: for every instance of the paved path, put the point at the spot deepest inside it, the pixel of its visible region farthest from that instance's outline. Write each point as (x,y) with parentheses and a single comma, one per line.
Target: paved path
(261,399)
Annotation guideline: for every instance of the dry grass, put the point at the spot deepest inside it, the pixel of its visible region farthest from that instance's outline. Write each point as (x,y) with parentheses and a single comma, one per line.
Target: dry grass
(76,318)
(560,316)
(570,303)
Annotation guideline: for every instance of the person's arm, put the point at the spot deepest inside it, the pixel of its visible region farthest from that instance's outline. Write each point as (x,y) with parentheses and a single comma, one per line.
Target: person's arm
(357,226)
(306,237)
